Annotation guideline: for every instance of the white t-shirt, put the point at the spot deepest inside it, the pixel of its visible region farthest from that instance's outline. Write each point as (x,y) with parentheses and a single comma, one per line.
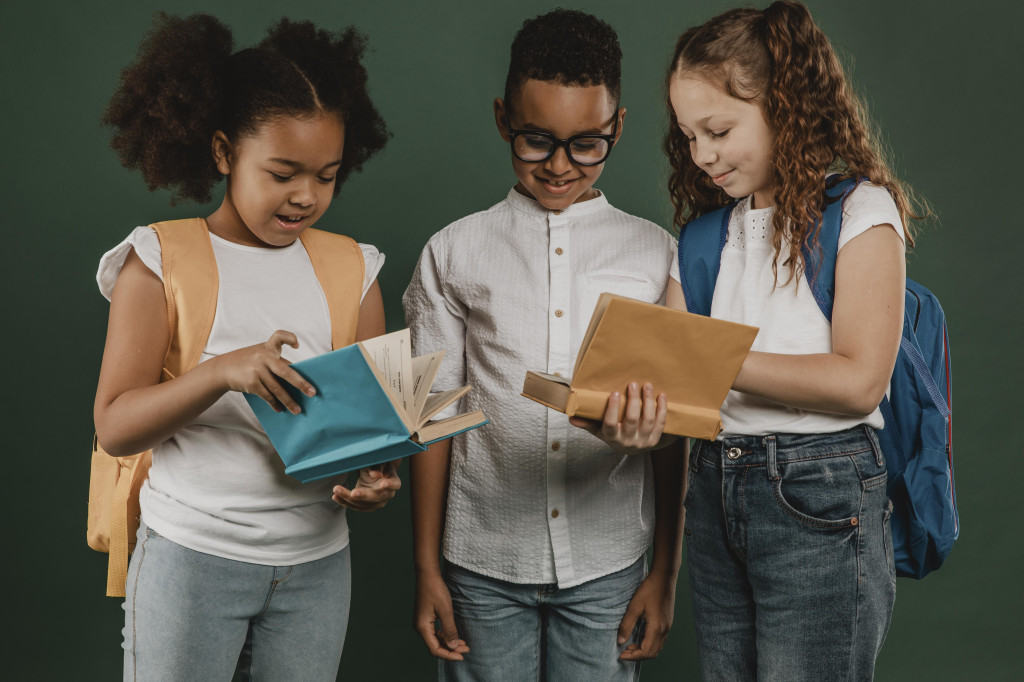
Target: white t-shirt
(217,485)
(531,498)
(788,317)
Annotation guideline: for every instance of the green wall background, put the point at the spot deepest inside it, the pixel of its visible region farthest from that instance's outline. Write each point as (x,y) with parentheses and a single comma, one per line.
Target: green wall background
(943,80)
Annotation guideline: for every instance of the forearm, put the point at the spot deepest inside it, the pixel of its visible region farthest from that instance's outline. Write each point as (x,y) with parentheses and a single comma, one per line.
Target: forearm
(143,417)
(669,465)
(429,490)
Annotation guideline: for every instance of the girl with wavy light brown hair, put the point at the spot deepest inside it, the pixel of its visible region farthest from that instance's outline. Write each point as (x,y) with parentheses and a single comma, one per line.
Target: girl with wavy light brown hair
(787,528)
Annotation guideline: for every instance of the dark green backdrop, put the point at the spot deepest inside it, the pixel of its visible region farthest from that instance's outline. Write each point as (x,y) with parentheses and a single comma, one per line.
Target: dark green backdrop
(942,79)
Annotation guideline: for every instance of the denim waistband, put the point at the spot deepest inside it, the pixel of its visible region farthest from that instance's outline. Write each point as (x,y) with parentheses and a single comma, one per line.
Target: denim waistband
(745,451)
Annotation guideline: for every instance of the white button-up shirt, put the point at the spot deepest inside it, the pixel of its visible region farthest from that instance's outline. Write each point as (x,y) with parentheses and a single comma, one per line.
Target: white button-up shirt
(531,498)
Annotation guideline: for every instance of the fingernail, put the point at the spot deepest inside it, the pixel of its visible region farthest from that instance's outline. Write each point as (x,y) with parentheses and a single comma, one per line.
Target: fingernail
(621,640)
(311,392)
(452,644)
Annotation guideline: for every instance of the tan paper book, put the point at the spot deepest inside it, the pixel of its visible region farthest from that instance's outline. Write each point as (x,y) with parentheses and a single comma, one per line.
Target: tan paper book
(690,358)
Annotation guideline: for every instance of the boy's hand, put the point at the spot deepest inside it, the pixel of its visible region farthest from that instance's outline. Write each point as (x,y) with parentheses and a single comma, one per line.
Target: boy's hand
(258,370)
(642,424)
(654,601)
(433,618)
(373,489)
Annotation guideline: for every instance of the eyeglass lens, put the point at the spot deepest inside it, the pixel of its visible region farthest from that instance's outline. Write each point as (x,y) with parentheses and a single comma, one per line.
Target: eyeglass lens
(530,147)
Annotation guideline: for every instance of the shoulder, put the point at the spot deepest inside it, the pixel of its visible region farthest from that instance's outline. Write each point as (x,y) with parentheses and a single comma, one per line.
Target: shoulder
(473,226)
(640,227)
(866,206)
(146,244)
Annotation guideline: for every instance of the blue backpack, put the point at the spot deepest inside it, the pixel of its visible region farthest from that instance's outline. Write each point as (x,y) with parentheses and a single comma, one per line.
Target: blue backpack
(917,438)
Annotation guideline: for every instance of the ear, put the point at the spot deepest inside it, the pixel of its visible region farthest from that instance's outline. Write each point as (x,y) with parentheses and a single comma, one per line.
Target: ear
(499,119)
(223,152)
(622,118)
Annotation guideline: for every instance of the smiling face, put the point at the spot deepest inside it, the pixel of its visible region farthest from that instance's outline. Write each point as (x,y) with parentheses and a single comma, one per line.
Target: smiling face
(563,111)
(280,179)
(729,138)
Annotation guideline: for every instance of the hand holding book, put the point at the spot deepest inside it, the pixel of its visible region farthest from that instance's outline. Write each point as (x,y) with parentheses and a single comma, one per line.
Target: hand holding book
(642,425)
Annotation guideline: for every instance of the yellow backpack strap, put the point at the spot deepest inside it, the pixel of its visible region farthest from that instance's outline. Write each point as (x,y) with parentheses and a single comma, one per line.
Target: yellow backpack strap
(189,271)
(340,269)
(190,288)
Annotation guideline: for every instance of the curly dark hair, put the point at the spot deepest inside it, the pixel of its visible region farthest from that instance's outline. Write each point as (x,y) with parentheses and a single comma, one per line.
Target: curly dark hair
(187,83)
(568,47)
(780,59)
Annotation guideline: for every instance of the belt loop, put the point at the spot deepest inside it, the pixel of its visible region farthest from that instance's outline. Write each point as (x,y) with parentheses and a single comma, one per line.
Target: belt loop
(698,445)
(773,468)
(875,445)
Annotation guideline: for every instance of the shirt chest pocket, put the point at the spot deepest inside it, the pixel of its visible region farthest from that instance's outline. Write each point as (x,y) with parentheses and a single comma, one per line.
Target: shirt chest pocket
(621,282)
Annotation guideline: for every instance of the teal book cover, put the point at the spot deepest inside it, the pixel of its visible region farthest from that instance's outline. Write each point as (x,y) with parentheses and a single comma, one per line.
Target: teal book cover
(372,405)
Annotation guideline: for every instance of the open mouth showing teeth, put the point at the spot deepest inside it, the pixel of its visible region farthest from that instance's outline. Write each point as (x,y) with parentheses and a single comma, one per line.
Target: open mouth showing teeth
(290,219)
(557,183)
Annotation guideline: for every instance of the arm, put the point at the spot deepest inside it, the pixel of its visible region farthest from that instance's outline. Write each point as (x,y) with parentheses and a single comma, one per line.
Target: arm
(133,411)
(867,317)
(375,486)
(655,599)
(429,472)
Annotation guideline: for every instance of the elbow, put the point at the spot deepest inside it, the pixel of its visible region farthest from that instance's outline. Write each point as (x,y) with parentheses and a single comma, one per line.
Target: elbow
(865,397)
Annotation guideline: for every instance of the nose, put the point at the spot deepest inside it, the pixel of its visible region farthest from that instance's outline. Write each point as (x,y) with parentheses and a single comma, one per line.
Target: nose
(303,194)
(559,162)
(703,153)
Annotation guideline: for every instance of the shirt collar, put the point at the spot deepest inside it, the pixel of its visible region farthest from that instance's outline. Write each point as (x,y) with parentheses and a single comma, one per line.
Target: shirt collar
(532,207)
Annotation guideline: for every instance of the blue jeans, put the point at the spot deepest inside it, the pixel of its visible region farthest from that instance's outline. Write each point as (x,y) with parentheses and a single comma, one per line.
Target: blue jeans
(790,556)
(540,632)
(194,616)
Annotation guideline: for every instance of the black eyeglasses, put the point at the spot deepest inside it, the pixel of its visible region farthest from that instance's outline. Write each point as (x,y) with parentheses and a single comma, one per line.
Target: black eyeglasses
(534,146)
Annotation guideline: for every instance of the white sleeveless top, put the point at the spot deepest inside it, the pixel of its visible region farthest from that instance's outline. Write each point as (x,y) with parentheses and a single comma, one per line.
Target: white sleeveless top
(217,486)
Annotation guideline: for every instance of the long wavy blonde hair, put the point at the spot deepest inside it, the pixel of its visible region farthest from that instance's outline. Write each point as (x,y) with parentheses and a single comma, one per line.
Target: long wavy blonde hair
(781,60)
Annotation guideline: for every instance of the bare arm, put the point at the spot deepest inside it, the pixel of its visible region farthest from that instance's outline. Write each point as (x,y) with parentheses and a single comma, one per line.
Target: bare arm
(866,320)
(655,599)
(133,410)
(429,472)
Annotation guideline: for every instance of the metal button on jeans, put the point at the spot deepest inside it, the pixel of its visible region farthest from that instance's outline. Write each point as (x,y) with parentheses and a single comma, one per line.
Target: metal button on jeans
(734,453)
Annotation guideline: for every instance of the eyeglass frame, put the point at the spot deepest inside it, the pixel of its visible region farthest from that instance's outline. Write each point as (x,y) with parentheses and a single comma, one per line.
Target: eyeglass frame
(562,143)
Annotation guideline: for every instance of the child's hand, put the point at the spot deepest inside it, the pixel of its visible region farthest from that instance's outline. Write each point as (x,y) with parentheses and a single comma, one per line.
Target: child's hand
(258,370)
(373,489)
(654,602)
(641,427)
(433,618)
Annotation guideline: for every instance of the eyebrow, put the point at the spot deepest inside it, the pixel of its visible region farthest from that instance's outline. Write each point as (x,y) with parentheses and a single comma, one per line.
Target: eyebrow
(297,165)
(589,131)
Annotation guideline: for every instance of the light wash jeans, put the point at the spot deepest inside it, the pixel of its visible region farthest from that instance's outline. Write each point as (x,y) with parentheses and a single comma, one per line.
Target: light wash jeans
(790,556)
(526,633)
(193,616)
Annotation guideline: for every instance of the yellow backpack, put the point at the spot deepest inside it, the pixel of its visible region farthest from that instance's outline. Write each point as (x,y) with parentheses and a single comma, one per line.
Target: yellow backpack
(190,288)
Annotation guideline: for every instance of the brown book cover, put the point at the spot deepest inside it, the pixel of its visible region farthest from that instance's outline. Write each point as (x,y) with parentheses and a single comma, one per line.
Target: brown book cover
(690,358)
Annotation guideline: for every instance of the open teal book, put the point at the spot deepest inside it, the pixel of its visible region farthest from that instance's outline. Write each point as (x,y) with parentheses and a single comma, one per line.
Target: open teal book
(372,405)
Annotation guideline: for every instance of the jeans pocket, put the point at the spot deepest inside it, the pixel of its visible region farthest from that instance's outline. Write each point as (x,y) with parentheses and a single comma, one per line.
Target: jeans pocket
(822,493)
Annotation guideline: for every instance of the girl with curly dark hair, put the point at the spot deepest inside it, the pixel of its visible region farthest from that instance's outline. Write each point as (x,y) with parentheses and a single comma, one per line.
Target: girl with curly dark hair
(787,526)
(236,565)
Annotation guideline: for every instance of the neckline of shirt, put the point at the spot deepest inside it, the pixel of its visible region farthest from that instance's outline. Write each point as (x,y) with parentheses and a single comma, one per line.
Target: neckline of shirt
(266,250)
(533,207)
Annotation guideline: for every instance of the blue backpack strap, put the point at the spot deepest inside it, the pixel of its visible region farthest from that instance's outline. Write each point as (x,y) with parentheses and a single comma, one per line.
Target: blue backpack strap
(820,263)
(700,257)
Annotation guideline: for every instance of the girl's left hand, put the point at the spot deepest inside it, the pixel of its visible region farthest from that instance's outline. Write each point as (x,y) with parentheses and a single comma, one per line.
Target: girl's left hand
(373,489)
(642,425)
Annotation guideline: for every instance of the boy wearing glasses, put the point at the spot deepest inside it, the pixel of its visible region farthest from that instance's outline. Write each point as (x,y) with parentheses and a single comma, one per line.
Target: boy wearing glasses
(544,526)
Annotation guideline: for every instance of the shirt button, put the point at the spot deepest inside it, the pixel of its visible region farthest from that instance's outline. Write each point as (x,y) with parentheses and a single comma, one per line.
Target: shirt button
(556,445)
(557,374)
(557,212)
(559,313)
(558,251)
(554,513)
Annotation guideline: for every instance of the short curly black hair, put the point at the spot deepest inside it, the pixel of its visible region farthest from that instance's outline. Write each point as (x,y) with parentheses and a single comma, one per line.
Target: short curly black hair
(187,83)
(568,47)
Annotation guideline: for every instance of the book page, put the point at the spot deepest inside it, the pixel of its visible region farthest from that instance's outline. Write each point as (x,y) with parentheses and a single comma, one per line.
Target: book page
(438,401)
(424,370)
(392,355)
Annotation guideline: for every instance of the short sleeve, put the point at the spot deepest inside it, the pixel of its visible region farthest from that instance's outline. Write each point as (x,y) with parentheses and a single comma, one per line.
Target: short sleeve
(674,271)
(868,205)
(147,247)
(373,261)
